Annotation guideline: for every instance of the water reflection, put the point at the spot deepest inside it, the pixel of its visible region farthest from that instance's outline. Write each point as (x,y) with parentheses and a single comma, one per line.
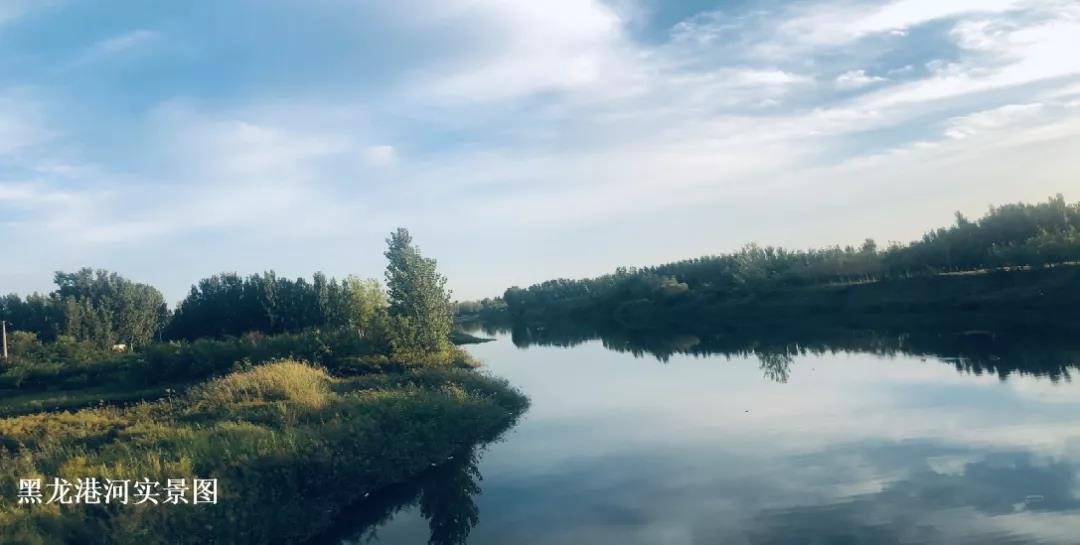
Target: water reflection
(995,345)
(861,435)
(943,505)
(936,494)
(444,494)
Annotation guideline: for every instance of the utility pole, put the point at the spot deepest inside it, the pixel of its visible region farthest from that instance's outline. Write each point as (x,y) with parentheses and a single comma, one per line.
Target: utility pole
(3,333)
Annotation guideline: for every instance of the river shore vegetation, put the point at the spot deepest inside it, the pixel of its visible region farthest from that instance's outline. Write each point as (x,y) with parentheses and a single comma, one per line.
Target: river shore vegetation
(1017,256)
(299,397)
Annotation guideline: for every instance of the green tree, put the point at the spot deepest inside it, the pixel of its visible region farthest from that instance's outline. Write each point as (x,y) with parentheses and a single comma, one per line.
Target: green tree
(419,300)
(106,308)
(364,302)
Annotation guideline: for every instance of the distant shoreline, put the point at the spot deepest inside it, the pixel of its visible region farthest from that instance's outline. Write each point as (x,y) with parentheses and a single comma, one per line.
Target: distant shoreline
(1047,291)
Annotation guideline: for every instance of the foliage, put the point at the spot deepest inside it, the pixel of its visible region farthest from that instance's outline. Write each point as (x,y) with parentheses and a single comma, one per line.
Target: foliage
(413,321)
(70,365)
(365,303)
(226,304)
(1015,234)
(419,301)
(97,306)
(487,309)
(1018,234)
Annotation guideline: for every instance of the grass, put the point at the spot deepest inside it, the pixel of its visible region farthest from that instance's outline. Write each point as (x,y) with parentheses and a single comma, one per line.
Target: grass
(14,402)
(70,375)
(69,364)
(289,443)
(283,381)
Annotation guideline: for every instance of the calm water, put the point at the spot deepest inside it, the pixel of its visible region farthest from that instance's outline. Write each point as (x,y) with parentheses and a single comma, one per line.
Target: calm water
(876,439)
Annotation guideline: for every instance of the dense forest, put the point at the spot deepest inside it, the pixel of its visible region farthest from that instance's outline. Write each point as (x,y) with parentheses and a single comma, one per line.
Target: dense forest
(107,310)
(1014,235)
(90,305)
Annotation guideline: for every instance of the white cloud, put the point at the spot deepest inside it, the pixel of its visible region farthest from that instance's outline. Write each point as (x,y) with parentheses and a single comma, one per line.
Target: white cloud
(905,14)
(115,45)
(251,170)
(678,125)
(13,9)
(21,123)
(29,194)
(705,29)
(1010,55)
(550,115)
(854,79)
(991,120)
(380,156)
(243,145)
(123,42)
(531,47)
(837,23)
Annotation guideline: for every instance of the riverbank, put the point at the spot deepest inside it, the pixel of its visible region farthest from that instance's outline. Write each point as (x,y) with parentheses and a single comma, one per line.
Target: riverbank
(1017,257)
(288,443)
(1052,291)
(459,337)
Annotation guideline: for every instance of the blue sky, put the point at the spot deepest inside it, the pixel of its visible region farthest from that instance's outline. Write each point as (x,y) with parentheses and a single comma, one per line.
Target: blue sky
(519,141)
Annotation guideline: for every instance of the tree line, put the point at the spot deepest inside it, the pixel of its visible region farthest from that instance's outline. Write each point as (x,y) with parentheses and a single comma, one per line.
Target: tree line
(91,305)
(1012,235)
(106,309)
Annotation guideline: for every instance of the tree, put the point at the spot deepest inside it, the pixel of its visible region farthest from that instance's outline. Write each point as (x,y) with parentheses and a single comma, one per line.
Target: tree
(228,304)
(364,302)
(1015,234)
(106,308)
(418,297)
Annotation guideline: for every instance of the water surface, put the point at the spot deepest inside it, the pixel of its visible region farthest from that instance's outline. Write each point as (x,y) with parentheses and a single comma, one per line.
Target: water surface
(857,438)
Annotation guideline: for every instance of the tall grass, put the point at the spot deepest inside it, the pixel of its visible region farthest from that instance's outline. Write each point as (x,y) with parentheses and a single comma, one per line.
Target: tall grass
(283,381)
(289,443)
(70,366)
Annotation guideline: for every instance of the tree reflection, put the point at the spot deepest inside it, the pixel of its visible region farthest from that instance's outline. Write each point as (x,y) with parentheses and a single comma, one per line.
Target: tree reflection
(988,345)
(447,501)
(444,494)
(775,366)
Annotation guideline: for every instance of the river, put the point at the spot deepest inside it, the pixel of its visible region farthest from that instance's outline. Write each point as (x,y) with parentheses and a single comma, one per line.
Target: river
(864,439)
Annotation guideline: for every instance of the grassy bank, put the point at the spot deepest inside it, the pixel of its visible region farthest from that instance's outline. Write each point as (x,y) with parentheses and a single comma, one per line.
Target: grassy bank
(289,442)
(70,374)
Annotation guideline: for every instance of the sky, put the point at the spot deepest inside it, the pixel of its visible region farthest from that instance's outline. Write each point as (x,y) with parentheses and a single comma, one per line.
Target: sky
(518,141)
